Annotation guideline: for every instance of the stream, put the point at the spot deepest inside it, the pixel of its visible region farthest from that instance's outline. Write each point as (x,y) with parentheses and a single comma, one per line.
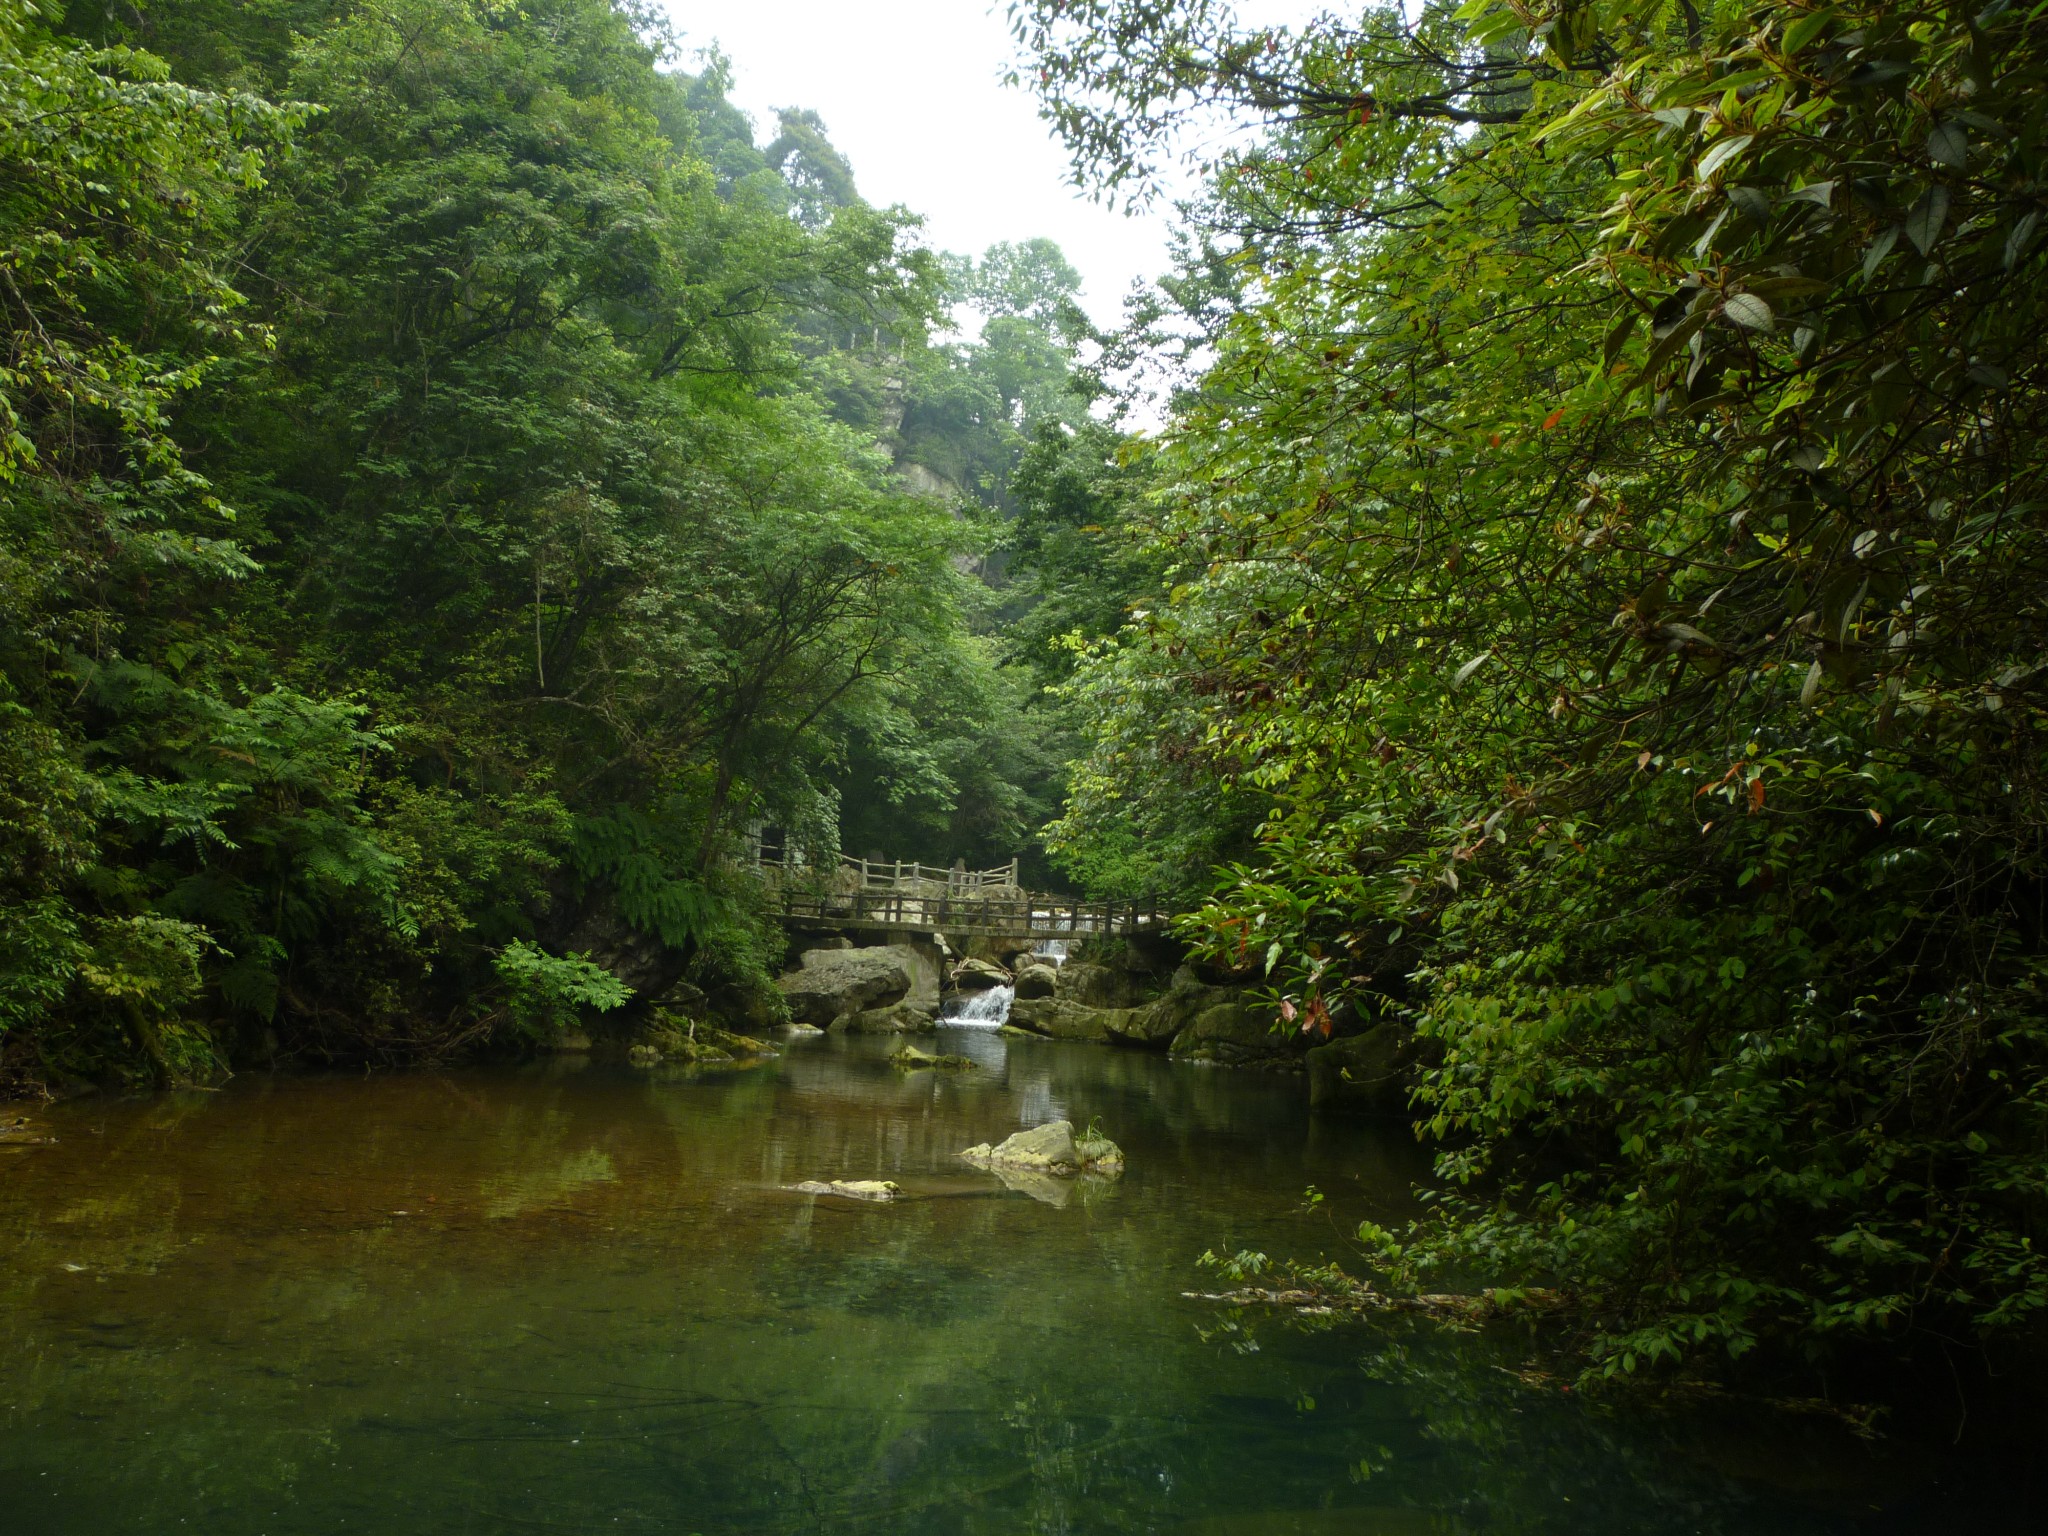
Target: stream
(576,1298)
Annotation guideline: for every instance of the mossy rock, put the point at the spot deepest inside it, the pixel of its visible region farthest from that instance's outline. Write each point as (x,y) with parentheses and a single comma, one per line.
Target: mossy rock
(667,1037)
(908,1058)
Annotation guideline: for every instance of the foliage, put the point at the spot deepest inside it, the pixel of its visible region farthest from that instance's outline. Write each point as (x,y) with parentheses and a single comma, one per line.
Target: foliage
(428,523)
(1610,544)
(546,993)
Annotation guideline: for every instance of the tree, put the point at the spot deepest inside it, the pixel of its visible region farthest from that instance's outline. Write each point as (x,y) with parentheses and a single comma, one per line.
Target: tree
(817,173)
(441,597)
(1610,536)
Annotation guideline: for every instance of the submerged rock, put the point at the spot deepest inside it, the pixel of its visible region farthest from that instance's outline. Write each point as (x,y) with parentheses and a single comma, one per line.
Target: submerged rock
(875,1191)
(908,1058)
(1050,1148)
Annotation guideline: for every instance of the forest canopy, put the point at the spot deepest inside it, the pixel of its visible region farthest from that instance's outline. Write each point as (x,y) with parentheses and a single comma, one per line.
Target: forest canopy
(455,478)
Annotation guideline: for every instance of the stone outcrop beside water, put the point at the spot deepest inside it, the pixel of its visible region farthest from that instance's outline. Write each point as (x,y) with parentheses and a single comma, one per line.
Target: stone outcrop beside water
(1038,980)
(972,975)
(1050,1148)
(897,1019)
(1058,1019)
(1195,1019)
(1238,1033)
(1364,1074)
(1098,986)
(831,983)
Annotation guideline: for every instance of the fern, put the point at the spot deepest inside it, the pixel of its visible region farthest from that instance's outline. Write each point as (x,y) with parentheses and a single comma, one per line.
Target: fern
(632,855)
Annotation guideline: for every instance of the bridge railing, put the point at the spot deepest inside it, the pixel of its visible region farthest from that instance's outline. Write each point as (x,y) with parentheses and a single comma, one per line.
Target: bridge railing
(896,874)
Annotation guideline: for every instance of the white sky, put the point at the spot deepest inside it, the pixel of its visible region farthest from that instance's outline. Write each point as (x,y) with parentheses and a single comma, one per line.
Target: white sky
(910,93)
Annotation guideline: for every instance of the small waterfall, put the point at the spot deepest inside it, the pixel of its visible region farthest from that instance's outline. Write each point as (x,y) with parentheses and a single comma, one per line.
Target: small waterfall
(1051,951)
(980,1010)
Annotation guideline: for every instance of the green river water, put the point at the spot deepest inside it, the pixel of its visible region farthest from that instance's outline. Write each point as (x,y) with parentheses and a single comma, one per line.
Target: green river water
(572,1298)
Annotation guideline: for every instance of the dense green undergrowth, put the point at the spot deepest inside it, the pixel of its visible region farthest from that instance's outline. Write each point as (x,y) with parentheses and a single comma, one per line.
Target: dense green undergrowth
(1609,558)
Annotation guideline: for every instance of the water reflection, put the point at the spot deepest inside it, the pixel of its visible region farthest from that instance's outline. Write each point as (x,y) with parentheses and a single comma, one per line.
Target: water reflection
(577,1299)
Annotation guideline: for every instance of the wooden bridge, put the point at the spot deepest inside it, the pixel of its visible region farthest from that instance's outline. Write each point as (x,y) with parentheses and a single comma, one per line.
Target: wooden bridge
(890,895)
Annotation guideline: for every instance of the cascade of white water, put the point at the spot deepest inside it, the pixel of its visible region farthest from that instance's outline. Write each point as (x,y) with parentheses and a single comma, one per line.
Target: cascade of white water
(980,1010)
(1052,951)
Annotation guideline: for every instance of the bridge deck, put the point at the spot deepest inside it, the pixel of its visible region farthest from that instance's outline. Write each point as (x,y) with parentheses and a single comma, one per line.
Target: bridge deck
(1019,913)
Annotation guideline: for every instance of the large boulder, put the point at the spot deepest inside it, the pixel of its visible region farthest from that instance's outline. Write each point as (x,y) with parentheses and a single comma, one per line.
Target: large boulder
(904,1018)
(1367,1074)
(1097,986)
(1058,1019)
(973,975)
(1051,1148)
(1009,953)
(1038,980)
(1239,1033)
(1157,1024)
(1150,1028)
(831,982)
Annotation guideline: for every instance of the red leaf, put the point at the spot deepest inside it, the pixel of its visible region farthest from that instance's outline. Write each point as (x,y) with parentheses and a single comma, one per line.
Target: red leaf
(1756,794)
(1553,418)
(1318,1017)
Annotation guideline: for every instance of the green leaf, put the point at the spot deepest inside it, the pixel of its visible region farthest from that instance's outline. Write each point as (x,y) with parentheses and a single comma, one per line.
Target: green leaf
(2022,237)
(1806,28)
(1949,145)
(1924,223)
(1618,336)
(1749,312)
(1723,151)
(1465,672)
